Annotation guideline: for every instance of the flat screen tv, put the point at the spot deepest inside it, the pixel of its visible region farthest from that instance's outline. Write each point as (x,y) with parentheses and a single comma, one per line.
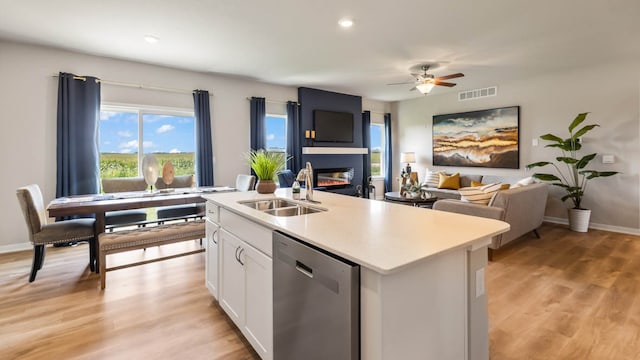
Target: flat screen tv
(332,126)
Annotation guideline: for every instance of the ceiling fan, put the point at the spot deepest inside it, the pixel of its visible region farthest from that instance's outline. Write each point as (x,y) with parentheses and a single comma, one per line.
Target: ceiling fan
(425,82)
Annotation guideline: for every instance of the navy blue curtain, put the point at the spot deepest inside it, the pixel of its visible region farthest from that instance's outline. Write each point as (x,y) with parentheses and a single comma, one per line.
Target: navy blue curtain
(204,146)
(366,159)
(388,185)
(77,157)
(293,136)
(257,123)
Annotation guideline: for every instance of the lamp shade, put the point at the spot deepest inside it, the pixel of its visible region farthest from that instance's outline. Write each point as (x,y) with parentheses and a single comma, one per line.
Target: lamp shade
(425,87)
(408,157)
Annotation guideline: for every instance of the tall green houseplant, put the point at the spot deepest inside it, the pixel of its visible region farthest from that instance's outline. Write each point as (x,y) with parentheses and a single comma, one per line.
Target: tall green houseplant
(575,177)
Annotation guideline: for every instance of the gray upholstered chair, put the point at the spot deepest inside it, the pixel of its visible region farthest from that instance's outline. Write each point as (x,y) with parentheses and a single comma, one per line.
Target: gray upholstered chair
(41,233)
(245,182)
(179,211)
(124,217)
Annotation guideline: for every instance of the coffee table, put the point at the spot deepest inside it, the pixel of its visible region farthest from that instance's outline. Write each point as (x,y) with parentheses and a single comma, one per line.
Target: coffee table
(395,197)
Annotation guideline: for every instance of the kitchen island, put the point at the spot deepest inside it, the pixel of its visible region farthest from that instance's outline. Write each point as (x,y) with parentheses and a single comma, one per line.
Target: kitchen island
(421,271)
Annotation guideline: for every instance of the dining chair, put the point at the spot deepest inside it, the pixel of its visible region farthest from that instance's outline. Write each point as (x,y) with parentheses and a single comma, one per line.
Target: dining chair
(286,178)
(124,217)
(41,233)
(179,211)
(245,182)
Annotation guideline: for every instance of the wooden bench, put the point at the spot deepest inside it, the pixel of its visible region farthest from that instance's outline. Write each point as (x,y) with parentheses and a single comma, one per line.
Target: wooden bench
(142,238)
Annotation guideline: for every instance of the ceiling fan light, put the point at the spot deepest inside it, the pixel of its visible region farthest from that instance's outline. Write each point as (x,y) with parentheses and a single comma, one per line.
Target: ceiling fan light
(425,87)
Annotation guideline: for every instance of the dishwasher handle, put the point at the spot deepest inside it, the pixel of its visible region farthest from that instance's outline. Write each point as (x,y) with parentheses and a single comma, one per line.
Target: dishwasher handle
(304,269)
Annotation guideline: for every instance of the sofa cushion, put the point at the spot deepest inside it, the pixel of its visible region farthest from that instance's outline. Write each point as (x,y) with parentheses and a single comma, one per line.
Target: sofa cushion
(449,181)
(431,178)
(479,195)
(466,179)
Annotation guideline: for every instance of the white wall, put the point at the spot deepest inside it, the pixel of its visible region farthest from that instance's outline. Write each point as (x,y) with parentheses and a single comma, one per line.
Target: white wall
(28,99)
(548,104)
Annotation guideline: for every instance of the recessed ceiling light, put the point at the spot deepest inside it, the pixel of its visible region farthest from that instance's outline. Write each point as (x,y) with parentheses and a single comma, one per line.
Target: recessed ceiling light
(346,23)
(151,39)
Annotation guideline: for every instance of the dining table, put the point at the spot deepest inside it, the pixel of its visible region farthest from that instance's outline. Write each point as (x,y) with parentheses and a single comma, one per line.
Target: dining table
(97,205)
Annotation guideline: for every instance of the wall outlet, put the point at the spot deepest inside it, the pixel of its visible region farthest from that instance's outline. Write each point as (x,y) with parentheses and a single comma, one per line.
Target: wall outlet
(534,142)
(608,159)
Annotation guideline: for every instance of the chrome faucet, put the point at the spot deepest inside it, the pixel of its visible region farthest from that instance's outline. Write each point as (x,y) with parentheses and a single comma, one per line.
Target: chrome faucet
(306,175)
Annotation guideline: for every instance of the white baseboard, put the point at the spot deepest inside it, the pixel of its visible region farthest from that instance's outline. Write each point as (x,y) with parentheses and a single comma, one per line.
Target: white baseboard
(15,248)
(605,227)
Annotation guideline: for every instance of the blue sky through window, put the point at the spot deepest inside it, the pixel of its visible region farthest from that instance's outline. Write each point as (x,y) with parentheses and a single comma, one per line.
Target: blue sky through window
(161,133)
(276,132)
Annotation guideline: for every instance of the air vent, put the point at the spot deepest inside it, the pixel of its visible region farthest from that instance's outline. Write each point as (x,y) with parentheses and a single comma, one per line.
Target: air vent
(477,93)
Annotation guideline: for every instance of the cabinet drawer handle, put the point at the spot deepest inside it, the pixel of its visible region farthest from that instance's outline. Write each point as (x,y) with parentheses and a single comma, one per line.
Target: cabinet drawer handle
(240,254)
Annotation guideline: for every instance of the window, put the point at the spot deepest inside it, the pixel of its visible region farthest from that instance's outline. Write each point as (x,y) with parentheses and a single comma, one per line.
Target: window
(276,134)
(377,149)
(128,132)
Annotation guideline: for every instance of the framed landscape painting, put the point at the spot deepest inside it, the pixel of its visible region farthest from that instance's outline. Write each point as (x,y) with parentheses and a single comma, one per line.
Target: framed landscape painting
(483,138)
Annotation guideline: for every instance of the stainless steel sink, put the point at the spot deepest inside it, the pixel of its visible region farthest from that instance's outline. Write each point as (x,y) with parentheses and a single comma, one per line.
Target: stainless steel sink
(281,207)
(268,204)
(293,211)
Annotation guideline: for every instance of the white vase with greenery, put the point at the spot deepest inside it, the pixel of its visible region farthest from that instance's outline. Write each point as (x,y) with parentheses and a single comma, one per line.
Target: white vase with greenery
(572,175)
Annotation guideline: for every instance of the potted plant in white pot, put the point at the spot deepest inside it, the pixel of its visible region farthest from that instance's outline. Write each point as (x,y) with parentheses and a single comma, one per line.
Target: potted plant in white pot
(575,177)
(266,164)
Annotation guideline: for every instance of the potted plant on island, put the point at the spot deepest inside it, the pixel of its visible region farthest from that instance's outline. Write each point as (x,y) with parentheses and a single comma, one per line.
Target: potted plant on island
(266,164)
(575,182)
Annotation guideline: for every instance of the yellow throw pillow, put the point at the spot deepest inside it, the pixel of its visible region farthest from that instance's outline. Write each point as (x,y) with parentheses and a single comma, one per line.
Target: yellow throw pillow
(449,181)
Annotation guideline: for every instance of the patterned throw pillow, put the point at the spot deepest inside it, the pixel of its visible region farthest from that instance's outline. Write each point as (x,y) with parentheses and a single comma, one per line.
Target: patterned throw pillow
(449,181)
(504,186)
(432,178)
(479,195)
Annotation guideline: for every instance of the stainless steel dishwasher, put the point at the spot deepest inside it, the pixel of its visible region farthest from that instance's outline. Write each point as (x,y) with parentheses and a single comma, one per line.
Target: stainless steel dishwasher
(316,303)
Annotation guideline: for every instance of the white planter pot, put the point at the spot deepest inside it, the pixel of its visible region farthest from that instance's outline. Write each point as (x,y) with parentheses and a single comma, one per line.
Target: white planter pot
(579,219)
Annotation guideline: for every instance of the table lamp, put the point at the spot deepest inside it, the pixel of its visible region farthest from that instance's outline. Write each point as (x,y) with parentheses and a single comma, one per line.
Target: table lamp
(408,157)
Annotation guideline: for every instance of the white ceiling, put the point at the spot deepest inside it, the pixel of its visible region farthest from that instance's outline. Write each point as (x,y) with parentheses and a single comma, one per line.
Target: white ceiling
(299,43)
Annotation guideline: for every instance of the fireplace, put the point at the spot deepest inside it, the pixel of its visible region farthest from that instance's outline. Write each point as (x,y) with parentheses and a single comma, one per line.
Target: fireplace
(333,178)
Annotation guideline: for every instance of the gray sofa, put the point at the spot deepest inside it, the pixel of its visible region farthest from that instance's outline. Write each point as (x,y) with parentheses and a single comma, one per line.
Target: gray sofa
(465,181)
(523,208)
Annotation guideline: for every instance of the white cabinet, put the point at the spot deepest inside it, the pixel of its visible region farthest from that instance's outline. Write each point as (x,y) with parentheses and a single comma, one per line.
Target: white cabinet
(211,259)
(232,275)
(246,292)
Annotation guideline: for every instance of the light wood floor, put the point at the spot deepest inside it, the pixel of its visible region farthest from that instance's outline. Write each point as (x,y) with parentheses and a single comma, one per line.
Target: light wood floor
(565,296)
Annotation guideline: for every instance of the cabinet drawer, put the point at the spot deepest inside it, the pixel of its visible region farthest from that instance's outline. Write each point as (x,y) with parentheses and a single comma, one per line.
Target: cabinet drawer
(213,212)
(256,235)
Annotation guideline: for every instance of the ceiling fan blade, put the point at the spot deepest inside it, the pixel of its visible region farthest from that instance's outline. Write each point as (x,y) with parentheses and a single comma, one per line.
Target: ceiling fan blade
(413,88)
(403,83)
(447,77)
(442,83)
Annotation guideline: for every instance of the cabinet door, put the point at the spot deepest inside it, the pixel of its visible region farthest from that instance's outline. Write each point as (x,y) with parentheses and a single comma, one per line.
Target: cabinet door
(231,277)
(211,260)
(258,322)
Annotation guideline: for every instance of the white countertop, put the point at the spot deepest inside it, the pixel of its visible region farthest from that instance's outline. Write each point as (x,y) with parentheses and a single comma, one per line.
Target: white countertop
(381,236)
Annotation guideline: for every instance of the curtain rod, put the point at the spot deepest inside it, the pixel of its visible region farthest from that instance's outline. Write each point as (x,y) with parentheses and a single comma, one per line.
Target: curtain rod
(138,86)
(275,101)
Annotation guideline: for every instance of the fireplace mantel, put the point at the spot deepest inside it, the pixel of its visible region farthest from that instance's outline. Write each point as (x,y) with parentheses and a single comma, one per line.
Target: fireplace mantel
(333,150)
